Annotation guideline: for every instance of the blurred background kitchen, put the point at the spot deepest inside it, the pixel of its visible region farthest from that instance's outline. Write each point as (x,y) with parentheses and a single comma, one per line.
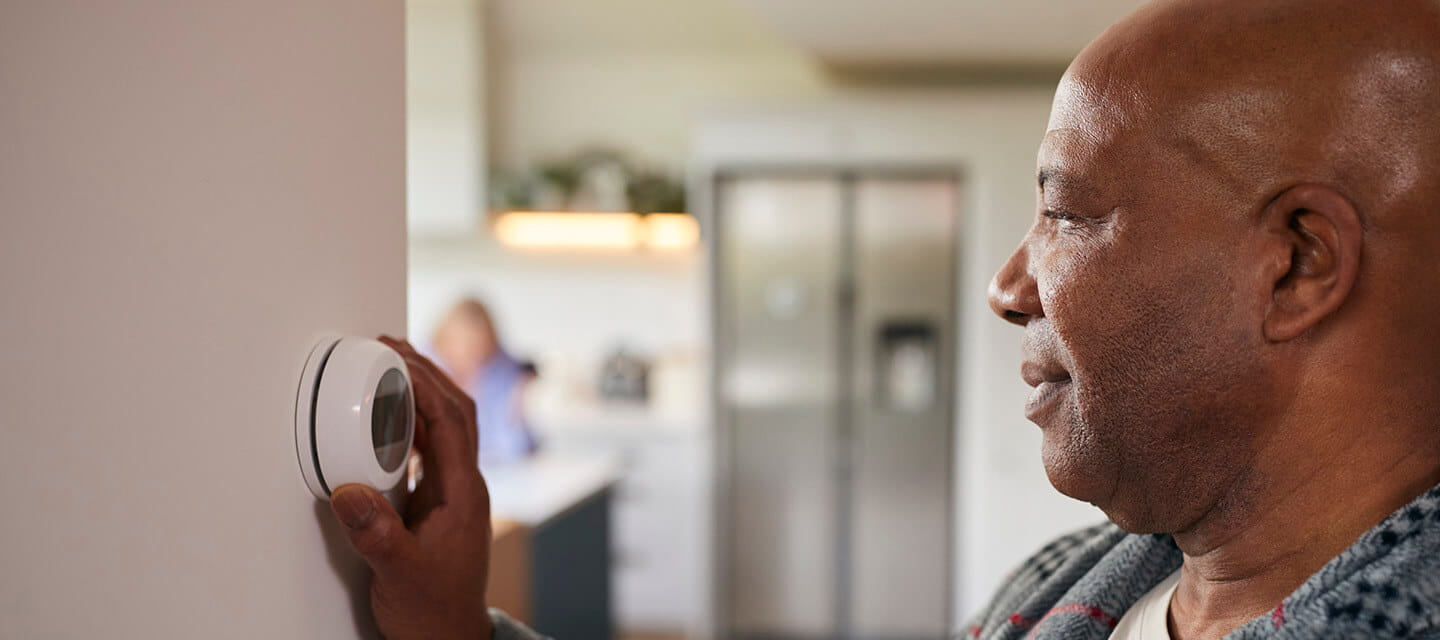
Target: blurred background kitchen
(715,273)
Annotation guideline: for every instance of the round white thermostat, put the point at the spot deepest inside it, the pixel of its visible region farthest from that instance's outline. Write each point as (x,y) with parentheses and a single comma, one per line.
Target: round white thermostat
(354,416)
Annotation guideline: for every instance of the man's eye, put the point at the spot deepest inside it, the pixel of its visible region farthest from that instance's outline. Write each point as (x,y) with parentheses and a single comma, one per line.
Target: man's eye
(1059,215)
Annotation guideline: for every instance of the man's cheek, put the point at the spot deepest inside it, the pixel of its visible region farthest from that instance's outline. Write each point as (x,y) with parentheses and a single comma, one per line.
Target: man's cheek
(1080,296)
(1062,286)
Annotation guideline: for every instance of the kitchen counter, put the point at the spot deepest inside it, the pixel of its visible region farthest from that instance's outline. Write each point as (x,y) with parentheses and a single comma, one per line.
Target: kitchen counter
(536,490)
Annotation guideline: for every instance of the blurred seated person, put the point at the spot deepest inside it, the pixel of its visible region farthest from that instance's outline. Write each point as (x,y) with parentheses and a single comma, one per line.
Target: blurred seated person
(468,348)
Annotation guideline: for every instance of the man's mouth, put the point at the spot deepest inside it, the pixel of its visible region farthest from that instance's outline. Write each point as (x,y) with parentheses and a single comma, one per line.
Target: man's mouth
(1043,368)
(1046,394)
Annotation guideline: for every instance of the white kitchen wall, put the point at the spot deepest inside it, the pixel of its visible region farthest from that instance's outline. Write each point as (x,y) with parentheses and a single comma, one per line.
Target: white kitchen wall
(568,310)
(1007,508)
(628,74)
(560,76)
(444,101)
(191,193)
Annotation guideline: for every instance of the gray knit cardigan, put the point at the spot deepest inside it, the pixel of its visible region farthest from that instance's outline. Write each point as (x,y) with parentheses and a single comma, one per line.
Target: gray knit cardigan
(508,629)
(1386,585)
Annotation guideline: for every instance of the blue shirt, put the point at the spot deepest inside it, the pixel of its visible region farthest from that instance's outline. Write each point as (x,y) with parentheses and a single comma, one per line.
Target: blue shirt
(504,433)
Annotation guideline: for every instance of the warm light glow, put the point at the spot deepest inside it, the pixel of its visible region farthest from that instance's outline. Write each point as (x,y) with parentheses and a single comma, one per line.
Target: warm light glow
(551,230)
(560,230)
(671,231)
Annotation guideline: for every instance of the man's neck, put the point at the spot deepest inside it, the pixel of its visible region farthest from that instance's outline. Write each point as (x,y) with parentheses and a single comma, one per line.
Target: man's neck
(1249,553)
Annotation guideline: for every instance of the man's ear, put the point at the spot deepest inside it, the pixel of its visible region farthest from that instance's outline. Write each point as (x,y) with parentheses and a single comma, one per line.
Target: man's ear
(1320,231)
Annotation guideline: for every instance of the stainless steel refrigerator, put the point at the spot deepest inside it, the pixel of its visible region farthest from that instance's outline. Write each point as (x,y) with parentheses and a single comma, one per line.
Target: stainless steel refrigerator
(833,292)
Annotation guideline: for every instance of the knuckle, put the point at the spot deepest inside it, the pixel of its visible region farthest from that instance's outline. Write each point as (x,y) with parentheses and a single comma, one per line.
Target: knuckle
(378,542)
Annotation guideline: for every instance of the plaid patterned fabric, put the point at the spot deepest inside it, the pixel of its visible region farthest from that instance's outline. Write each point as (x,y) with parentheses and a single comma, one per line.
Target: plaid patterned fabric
(1386,585)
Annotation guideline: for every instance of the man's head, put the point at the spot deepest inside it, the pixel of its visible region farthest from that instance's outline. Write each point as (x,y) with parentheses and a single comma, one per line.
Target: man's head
(1238,233)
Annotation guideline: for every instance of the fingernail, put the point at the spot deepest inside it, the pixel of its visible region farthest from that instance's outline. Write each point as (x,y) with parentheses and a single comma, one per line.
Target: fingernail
(352,507)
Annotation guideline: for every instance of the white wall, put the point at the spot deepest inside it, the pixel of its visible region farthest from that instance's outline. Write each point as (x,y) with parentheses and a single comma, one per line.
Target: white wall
(1007,508)
(560,76)
(568,311)
(627,74)
(444,102)
(191,192)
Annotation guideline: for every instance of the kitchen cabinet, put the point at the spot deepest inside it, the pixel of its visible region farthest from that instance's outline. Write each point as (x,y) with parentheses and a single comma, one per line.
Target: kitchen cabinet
(659,520)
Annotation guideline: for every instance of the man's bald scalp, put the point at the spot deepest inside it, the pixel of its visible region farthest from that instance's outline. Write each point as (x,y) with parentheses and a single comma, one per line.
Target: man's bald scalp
(1269,92)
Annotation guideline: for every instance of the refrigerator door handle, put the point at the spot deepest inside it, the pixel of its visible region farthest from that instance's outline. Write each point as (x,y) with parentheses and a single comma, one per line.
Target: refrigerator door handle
(907,362)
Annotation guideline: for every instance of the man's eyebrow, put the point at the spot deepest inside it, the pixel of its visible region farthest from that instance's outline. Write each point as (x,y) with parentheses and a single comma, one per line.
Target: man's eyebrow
(1058,178)
(1052,175)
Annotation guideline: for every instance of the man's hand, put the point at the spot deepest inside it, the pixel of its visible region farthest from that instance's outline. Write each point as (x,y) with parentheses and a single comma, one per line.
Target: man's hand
(430,578)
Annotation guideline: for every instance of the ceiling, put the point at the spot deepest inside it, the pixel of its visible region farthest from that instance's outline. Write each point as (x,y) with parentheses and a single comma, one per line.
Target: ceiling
(590,27)
(939,32)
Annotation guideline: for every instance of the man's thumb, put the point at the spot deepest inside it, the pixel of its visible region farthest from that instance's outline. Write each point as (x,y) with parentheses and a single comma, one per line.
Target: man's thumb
(375,529)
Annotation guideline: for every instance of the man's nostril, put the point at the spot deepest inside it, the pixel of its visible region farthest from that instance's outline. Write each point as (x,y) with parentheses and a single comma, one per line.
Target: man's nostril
(1011,314)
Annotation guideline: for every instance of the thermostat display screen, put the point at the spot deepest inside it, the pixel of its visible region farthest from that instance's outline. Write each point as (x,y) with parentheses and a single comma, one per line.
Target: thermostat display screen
(391,419)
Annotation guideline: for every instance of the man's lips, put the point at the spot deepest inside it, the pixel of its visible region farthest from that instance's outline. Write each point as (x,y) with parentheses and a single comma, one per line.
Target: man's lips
(1045,395)
(1036,373)
(1050,382)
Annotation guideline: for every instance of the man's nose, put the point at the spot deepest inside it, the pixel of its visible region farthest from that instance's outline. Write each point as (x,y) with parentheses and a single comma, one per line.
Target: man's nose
(1014,295)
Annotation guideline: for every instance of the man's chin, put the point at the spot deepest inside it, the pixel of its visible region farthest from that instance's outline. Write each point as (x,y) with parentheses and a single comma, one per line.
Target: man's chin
(1081,471)
(1073,474)
(1087,481)
(1133,522)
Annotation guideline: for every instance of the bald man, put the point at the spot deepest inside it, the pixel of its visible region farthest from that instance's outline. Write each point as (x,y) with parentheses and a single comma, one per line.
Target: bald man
(1227,296)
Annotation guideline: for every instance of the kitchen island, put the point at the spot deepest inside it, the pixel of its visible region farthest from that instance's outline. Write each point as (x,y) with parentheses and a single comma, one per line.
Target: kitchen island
(550,560)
